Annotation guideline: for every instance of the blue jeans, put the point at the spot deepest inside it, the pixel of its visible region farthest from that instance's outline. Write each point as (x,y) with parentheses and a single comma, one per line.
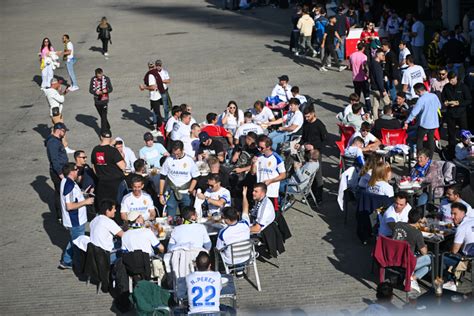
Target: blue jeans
(391,89)
(423,265)
(75,232)
(164,99)
(283,185)
(70,71)
(422,199)
(450,261)
(341,50)
(172,204)
(277,138)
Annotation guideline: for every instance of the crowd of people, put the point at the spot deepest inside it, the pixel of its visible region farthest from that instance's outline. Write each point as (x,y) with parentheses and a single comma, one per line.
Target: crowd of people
(238,164)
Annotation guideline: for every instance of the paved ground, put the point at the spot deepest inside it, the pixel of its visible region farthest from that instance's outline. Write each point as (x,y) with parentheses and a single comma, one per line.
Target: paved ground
(213,56)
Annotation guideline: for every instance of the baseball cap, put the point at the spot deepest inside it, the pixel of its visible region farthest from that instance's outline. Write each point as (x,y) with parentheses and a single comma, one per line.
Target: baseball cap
(54,80)
(203,136)
(106,134)
(60,125)
(283,78)
(158,62)
(147,136)
(133,215)
(466,134)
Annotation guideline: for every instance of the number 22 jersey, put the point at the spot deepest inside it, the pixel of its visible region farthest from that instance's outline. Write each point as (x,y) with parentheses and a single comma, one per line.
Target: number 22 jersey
(204,290)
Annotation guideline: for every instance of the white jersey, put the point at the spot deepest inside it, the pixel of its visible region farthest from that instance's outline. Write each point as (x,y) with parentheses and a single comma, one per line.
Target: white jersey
(294,118)
(142,204)
(265,213)
(246,128)
(268,168)
(222,193)
(170,124)
(465,235)
(284,94)
(445,210)
(71,193)
(369,138)
(204,291)
(390,216)
(103,229)
(140,239)
(381,188)
(412,76)
(189,236)
(263,117)
(180,131)
(240,231)
(180,171)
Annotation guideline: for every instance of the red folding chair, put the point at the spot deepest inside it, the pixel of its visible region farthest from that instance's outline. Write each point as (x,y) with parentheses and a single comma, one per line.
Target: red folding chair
(346,131)
(393,137)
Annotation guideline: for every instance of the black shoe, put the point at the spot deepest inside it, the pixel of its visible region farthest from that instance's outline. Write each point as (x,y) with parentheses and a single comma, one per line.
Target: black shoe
(63,266)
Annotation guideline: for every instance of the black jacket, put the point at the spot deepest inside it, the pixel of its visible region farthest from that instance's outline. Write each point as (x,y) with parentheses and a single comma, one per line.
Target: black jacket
(314,133)
(273,239)
(97,98)
(97,266)
(391,66)
(57,155)
(376,76)
(384,122)
(453,51)
(459,92)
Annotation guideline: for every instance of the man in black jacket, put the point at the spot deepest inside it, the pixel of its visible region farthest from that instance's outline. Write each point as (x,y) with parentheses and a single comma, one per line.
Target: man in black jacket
(57,160)
(313,137)
(456,97)
(386,121)
(379,94)
(390,70)
(101,87)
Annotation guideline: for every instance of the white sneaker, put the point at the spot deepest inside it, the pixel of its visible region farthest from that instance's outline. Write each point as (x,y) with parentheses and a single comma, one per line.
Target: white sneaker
(414,286)
(73,88)
(69,150)
(315,55)
(297,54)
(323,69)
(106,54)
(155,133)
(450,285)
(341,68)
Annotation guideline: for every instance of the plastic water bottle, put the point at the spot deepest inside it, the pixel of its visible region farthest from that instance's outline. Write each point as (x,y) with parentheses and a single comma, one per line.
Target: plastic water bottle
(414,151)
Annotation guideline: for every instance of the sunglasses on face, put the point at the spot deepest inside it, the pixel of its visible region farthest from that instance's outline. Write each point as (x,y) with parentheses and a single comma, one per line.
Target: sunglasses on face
(83,157)
(260,148)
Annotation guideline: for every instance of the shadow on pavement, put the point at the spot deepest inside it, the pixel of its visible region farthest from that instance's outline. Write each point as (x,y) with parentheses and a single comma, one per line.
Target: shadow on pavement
(90,121)
(299,60)
(328,106)
(95,49)
(337,96)
(138,114)
(43,129)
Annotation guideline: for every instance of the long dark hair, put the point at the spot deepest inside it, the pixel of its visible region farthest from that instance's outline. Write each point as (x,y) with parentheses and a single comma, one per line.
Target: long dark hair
(236,114)
(49,44)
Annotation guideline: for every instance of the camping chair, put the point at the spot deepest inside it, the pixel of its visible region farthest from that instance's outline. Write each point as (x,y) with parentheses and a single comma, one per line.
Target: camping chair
(393,137)
(242,256)
(301,194)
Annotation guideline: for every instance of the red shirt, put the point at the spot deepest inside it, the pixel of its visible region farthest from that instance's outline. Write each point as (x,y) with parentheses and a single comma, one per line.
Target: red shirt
(215,131)
(366,34)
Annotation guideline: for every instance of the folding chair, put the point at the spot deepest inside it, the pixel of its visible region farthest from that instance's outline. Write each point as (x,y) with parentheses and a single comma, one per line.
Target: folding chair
(346,131)
(300,195)
(469,259)
(242,256)
(393,137)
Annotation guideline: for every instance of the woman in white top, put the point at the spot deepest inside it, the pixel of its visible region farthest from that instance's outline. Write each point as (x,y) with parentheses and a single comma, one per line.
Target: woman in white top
(378,183)
(232,117)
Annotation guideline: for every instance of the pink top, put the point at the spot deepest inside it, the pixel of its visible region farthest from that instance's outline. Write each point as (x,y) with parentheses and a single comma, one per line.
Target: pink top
(358,60)
(45,51)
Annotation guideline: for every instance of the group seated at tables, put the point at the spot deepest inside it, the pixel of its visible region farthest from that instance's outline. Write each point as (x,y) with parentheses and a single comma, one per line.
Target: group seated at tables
(386,121)
(371,143)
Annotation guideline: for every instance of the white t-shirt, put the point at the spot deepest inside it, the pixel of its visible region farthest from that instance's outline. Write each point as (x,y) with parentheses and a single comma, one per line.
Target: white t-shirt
(70,47)
(445,210)
(54,100)
(355,152)
(302,98)
(103,229)
(295,118)
(222,193)
(419,39)
(283,94)
(369,138)
(189,236)
(465,235)
(170,124)
(348,110)
(180,171)
(180,131)
(155,95)
(411,76)
(204,291)
(381,188)
(240,231)
(71,193)
(390,216)
(268,168)
(190,145)
(232,122)
(246,128)
(140,239)
(152,155)
(263,117)
(142,204)
(402,56)
(164,76)
(266,213)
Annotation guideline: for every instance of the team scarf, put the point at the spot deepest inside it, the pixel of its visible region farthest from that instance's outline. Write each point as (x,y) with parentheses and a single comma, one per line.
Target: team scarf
(99,84)
(419,171)
(256,207)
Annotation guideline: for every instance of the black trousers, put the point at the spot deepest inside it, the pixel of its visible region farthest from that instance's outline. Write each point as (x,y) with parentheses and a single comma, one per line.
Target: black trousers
(155,106)
(363,87)
(105,45)
(420,135)
(102,109)
(330,50)
(452,122)
(57,186)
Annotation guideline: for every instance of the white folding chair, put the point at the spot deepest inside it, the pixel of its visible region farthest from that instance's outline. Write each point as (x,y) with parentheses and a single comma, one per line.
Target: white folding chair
(242,255)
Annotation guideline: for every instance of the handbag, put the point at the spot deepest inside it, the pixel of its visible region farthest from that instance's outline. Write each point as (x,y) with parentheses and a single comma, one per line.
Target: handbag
(42,65)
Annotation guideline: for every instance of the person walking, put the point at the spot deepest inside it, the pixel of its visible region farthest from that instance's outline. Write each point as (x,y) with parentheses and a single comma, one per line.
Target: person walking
(101,86)
(305,25)
(377,85)
(360,78)
(328,45)
(104,29)
(70,61)
(418,41)
(47,72)
(427,106)
(165,96)
(154,84)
